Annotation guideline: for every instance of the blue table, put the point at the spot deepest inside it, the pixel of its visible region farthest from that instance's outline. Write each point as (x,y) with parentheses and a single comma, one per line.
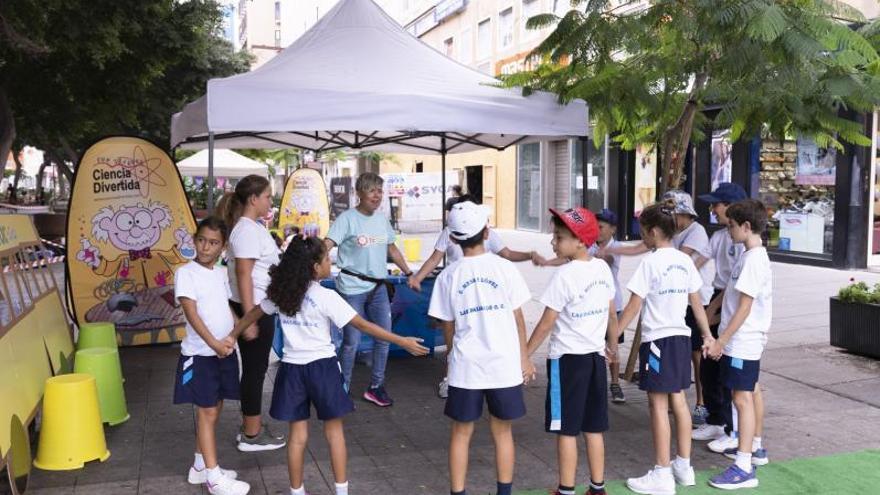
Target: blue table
(409,315)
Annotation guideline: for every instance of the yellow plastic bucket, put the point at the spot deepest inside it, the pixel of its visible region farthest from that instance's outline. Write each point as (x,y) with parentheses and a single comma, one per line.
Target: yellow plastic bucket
(72,433)
(412,249)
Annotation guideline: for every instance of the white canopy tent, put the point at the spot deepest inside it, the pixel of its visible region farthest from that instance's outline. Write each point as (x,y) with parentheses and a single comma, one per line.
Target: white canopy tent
(357,80)
(227,163)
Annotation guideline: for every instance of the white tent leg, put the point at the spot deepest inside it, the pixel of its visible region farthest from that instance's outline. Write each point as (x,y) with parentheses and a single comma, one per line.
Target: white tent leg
(210,179)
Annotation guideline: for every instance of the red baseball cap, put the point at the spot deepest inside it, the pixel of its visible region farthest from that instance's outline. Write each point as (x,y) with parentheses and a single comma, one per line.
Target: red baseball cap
(581,221)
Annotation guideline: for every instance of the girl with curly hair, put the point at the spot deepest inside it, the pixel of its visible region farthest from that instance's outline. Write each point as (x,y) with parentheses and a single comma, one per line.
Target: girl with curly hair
(310,373)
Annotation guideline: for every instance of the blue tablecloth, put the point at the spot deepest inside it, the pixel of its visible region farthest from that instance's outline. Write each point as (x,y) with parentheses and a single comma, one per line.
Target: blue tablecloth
(409,315)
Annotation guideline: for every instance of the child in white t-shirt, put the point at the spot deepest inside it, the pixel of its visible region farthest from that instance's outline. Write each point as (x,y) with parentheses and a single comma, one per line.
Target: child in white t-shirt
(691,239)
(207,371)
(719,427)
(581,314)
(445,247)
(745,320)
(666,281)
(478,301)
(310,374)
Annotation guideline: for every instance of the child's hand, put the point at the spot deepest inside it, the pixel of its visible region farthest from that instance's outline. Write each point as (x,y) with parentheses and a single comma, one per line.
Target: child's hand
(611,354)
(251,332)
(230,341)
(528,370)
(712,348)
(538,260)
(413,283)
(221,347)
(413,346)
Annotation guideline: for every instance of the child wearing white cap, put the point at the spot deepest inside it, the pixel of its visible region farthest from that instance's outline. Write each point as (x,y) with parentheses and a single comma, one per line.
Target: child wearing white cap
(478,300)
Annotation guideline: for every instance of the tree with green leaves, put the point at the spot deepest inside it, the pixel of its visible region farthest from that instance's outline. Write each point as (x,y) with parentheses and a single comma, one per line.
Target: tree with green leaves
(72,71)
(649,69)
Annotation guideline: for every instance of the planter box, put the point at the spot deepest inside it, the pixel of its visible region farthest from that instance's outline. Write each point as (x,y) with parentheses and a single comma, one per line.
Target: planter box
(856,327)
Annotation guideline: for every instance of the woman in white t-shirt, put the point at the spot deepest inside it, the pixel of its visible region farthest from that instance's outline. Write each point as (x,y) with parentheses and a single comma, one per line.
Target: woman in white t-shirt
(310,374)
(250,253)
(666,282)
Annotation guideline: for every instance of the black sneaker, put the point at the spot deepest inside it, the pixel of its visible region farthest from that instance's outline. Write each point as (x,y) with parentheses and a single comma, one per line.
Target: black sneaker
(378,396)
(617,393)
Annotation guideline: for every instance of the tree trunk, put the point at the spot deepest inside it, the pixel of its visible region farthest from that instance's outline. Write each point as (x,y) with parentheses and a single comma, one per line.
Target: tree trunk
(40,173)
(62,167)
(677,137)
(7,130)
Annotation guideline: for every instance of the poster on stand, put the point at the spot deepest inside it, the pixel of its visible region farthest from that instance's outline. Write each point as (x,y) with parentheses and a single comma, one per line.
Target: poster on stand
(129,227)
(341,194)
(815,166)
(722,158)
(646,177)
(304,203)
(421,194)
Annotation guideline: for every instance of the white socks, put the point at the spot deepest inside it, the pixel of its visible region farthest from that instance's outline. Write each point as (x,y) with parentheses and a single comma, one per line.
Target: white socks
(744,461)
(342,488)
(681,462)
(198,462)
(214,474)
(756,443)
(298,491)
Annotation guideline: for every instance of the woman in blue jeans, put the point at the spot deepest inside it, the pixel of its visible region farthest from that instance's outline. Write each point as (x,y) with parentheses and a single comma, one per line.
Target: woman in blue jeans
(365,240)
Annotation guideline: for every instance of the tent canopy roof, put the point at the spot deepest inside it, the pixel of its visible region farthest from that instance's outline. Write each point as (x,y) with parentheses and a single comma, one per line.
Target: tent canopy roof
(227,163)
(358,80)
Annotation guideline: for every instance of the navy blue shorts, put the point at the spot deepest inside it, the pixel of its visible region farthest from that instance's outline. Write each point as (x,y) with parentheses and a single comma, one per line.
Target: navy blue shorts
(696,334)
(299,386)
(576,398)
(665,365)
(465,405)
(739,374)
(206,380)
(619,337)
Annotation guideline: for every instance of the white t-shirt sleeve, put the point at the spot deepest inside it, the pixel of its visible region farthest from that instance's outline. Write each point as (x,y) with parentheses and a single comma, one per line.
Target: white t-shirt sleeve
(494,243)
(640,283)
(698,240)
(556,296)
(519,291)
(441,303)
(751,278)
(226,286)
(695,280)
(336,308)
(443,241)
(268,306)
(246,243)
(185,284)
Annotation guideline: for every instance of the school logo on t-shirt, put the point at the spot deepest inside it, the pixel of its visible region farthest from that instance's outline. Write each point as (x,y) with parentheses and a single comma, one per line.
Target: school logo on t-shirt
(364,240)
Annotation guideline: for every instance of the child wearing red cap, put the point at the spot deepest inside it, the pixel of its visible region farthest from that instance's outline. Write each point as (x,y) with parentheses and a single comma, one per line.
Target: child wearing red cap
(579,316)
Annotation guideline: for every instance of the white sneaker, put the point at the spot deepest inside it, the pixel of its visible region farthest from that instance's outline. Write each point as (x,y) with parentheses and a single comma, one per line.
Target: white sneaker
(443,388)
(227,486)
(720,444)
(707,432)
(684,475)
(199,476)
(653,483)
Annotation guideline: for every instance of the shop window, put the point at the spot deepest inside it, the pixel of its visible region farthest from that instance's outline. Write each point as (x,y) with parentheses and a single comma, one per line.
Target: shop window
(874,226)
(528,187)
(797,186)
(505,27)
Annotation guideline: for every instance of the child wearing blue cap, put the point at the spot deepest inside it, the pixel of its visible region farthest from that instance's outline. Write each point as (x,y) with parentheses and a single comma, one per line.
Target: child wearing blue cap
(719,429)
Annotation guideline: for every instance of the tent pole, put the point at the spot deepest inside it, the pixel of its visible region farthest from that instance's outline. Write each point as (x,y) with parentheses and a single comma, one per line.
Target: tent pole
(210,180)
(443,185)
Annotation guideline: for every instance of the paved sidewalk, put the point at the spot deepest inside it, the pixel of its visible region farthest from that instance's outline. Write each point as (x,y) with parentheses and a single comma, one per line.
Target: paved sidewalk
(820,400)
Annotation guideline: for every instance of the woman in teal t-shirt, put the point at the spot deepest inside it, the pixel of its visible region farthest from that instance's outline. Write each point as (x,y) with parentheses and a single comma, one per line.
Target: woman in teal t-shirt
(365,241)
